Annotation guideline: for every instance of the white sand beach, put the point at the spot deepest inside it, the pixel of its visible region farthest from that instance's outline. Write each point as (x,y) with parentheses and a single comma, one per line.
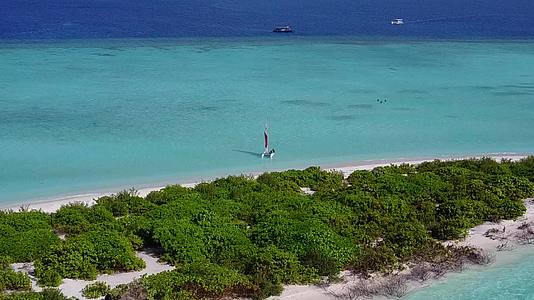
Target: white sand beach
(53,204)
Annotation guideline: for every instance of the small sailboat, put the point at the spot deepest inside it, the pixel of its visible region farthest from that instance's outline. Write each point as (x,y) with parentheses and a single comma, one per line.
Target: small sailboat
(266,151)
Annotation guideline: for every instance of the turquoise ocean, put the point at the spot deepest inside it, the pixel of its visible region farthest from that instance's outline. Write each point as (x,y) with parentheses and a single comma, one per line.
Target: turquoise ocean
(102,115)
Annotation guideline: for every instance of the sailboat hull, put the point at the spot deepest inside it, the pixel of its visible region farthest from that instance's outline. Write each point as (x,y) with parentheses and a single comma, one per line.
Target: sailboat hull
(269,155)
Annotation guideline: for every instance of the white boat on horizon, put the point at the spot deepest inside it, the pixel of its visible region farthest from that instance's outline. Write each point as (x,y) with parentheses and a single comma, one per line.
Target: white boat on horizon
(283,29)
(397,22)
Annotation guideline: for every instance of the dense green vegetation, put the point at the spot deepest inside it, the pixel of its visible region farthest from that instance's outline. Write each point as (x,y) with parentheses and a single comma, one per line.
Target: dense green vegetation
(246,237)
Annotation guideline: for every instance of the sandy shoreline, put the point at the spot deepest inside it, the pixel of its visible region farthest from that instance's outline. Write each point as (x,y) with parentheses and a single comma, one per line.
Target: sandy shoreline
(53,204)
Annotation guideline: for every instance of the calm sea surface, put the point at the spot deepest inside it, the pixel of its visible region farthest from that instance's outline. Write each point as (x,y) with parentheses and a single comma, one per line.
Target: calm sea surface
(81,116)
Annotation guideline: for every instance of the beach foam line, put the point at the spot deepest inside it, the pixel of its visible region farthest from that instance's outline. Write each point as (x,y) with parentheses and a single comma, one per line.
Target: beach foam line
(53,204)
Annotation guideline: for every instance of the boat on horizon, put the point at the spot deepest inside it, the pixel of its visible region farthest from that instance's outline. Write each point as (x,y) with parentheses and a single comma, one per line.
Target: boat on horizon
(284,29)
(397,22)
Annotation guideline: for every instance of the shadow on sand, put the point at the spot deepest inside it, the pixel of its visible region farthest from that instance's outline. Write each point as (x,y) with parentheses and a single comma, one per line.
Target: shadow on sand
(256,154)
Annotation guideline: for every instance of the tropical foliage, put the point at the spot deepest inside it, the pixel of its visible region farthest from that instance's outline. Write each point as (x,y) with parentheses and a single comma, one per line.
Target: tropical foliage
(11,280)
(240,236)
(85,256)
(96,290)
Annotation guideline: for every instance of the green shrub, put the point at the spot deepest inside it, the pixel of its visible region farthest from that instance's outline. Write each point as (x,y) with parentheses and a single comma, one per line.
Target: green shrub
(182,241)
(124,203)
(376,258)
(279,266)
(168,194)
(96,290)
(24,221)
(25,235)
(72,218)
(307,239)
(49,276)
(5,262)
(86,255)
(14,281)
(199,279)
(73,258)
(78,218)
(277,182)
(524,168)
(118,291)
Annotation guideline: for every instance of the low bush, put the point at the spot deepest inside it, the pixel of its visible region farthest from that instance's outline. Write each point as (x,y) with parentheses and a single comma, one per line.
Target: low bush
(96,290)
(86,255)
(77,218)
(200,280)
(25,235)
(124,203)
(14,281)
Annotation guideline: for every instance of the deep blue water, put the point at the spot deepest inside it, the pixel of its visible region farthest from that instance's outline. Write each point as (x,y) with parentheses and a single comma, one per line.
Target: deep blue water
(457,19)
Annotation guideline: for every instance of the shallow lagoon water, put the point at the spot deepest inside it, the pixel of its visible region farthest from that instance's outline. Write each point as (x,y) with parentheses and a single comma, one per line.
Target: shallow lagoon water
(85,116)
(511,278)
